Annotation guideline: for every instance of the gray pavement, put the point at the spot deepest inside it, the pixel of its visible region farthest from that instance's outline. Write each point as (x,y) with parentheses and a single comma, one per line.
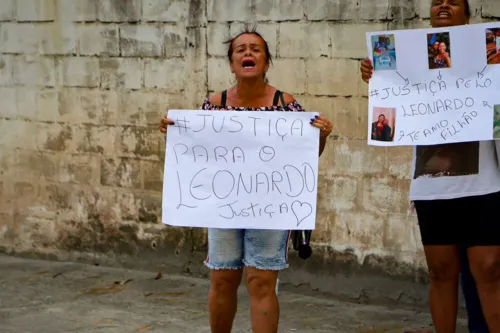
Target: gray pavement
(43,296)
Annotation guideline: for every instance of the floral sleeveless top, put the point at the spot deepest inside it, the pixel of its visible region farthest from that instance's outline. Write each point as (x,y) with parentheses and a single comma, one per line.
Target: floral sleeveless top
(291,107)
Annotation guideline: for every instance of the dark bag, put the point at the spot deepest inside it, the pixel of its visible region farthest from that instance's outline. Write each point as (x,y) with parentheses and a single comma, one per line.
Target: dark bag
(300,242)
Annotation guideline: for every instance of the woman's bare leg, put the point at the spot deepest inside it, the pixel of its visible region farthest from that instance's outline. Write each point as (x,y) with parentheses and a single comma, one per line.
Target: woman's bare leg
(263,300)
(485,266)
(222,299)
(443,262)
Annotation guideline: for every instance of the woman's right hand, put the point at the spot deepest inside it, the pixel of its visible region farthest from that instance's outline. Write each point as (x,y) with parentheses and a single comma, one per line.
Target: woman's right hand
(164,123)
(366,70)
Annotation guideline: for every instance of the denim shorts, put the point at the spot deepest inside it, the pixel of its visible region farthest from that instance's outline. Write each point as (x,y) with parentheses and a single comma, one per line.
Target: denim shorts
(235,248)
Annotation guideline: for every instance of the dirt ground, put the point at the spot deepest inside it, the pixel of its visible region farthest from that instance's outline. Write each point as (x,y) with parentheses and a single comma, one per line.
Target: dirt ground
(43,296)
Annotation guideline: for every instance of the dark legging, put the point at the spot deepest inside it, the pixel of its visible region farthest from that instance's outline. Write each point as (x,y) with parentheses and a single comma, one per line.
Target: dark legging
(476,321)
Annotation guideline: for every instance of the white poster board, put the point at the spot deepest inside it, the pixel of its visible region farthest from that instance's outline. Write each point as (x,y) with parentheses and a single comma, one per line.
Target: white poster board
(434,86)
(241,169)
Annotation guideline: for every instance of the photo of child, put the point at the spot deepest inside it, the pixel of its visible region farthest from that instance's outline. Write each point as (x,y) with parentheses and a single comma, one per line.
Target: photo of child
(383,124)
(384,52)
(438,50)
(493,46)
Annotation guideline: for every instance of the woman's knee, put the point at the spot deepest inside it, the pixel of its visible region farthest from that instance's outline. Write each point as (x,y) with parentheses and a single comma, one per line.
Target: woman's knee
(486,270)
(261,285)
(443,263)
(225,281)
(444,272)
(441,275)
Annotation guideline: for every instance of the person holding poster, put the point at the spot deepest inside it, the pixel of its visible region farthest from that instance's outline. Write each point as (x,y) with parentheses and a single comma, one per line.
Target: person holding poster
(455,190)
(263,253)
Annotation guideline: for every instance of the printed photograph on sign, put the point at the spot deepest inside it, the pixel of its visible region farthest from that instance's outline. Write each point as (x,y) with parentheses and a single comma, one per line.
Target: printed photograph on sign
(383,125)
(496,122)
(439,50)
(384,52)
(493,46)
(447,160)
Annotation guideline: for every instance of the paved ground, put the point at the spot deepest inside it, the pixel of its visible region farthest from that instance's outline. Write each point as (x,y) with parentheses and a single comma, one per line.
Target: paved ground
(43,297)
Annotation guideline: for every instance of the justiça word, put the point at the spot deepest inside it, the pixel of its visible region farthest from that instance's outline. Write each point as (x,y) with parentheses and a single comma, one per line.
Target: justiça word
(256,125)
(300,210)
(430,87)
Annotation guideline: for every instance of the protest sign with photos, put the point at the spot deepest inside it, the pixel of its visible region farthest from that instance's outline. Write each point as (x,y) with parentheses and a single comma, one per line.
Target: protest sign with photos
(434,86)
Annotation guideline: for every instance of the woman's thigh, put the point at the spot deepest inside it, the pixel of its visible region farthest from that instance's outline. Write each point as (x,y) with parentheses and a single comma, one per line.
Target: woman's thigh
(468,221)
(440,222)
(225,249)
(484,240)
(483,221)
(266,249)
(441,230)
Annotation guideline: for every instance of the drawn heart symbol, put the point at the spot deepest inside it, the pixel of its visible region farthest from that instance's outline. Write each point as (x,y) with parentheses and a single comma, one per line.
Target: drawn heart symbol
(301,210)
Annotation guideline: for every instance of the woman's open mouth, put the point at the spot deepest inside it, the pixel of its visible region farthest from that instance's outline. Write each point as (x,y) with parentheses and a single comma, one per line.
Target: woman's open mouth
(248,64)
(443,14)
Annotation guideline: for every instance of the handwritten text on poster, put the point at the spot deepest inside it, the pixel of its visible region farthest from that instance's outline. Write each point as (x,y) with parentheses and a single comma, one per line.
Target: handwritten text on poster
(241,169)
(434,86)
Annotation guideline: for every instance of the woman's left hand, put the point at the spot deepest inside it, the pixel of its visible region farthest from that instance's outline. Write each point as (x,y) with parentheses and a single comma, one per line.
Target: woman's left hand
(324,125)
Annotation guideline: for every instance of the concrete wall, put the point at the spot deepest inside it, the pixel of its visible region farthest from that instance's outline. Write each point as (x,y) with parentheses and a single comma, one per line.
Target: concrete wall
(83,84)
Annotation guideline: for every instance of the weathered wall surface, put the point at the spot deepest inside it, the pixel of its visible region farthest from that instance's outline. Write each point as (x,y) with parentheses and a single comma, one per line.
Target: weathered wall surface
(83,84)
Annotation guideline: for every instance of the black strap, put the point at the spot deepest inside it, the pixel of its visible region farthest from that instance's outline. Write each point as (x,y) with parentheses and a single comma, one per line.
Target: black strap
(223,99)
(282,99)
(283,102)
(276,97)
